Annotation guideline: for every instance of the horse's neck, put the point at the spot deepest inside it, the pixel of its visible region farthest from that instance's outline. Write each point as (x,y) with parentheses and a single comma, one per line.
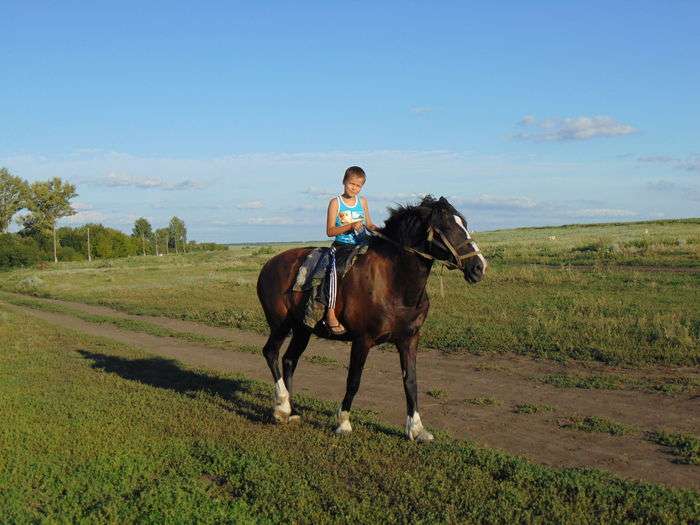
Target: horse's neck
(412,274)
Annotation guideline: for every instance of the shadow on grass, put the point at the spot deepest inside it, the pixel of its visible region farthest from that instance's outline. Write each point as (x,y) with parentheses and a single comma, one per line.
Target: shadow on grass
(247,398)
(243,396)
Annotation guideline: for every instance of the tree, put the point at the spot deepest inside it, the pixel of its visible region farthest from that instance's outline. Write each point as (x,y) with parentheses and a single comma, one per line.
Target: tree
(162,238)
(48,202)
(177,232)
(13,192)
(142,228)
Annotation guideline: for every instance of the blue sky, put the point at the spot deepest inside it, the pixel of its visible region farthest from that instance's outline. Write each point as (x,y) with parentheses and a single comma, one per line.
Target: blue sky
(240,118)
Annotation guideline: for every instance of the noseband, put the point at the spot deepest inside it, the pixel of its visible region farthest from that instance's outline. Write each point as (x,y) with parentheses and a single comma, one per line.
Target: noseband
(454,263)
(457,259)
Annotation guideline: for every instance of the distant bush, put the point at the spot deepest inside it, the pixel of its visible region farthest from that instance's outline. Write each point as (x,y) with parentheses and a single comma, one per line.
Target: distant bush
(205,247)
(18,251)
(589,247)
(30,284)
(264,250)
(67,253)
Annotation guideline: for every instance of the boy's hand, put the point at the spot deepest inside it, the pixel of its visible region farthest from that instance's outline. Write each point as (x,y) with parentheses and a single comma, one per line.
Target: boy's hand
(357,226)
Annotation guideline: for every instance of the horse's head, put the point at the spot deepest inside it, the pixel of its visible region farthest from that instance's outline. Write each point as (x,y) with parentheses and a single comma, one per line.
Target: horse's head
(449,239)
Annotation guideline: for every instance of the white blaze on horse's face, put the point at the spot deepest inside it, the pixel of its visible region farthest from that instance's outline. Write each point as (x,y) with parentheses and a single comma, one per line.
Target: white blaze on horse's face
(460,223)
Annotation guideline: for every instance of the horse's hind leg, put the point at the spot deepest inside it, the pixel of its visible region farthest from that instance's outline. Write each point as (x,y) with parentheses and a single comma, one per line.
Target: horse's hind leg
(282,408)
(299,342)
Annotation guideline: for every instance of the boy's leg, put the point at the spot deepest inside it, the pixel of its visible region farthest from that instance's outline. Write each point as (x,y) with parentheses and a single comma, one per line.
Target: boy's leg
(331,320)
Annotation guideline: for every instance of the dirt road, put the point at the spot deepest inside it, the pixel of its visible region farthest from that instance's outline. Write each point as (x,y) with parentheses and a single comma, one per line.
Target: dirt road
(447,384)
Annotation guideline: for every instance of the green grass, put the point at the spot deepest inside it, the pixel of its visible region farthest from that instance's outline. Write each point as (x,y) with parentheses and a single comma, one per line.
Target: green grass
(685,446)
(484,401)
(322,360)
(665,385)
(529,408)
(532,301)
(596,424)
(94,431)
(145,327)
(437,393)
(132,325)
(671,243)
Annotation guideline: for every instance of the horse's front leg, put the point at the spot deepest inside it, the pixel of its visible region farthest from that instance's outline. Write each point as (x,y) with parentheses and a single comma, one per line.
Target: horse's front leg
(408,349)
(358,356)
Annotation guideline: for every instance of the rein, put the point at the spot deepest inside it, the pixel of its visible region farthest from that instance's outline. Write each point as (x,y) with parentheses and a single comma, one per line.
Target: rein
(444,241)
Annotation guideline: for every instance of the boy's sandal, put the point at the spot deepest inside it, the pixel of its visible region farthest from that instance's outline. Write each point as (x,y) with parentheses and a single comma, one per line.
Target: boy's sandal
(337,329)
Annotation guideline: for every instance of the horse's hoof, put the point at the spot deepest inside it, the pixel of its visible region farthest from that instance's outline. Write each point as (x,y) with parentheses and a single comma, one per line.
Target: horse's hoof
(282,417)
(344,426)
(424,437)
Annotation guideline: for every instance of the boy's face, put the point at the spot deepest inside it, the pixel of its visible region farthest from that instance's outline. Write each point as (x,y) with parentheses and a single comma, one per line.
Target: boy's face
(353,185)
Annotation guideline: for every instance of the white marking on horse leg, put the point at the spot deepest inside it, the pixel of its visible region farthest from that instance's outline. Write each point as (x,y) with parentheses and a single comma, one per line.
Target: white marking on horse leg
(415,430)
(282,408)
(343,418)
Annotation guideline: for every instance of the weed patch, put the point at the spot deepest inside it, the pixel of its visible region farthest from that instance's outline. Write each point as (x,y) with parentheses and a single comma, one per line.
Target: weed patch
(685,447)
(529,408)
(323,360)
(437,393)
(595,424)
(483,401)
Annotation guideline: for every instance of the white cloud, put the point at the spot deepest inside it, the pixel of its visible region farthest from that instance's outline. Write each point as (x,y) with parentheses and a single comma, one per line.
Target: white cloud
(313,191)
(601,212)
(494,190)
(421,110)
(283,220)
(83,217)
(251,205)
(661,185)
(395,197)
(493,202)
(117,180)
(689,164)
(688,192)
(571,128)
(527,120)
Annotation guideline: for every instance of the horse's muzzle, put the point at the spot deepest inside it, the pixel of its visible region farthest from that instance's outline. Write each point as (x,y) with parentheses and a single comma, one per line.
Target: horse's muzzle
(475,270)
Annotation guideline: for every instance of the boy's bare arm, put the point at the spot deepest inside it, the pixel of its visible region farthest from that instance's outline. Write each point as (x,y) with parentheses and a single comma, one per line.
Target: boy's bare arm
(368,220)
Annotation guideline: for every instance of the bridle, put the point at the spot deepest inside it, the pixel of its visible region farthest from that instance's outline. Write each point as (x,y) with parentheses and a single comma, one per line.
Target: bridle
(442,242)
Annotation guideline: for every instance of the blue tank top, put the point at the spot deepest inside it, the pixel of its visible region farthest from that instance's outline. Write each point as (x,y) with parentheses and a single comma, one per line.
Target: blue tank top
(348,214)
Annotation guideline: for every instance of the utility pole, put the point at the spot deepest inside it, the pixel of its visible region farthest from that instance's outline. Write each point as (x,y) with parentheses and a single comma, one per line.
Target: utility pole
(55,257)
(89,250)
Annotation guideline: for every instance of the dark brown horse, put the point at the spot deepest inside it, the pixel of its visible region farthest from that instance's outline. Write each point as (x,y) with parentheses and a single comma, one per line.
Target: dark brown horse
(381,299)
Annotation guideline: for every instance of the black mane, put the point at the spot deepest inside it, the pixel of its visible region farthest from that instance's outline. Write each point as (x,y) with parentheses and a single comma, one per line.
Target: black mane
(407,224)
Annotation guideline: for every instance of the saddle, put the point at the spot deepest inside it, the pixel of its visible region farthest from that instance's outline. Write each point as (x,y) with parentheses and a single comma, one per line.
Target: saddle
(313,279)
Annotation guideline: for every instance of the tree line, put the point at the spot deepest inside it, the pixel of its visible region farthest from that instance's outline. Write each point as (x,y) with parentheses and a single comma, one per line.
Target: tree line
(37,207)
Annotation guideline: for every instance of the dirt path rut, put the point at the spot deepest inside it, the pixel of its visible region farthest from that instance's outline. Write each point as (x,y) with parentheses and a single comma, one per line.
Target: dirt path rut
(452,380)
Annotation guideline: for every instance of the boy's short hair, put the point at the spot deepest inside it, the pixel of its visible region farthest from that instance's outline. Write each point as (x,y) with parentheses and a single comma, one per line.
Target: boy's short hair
(354,171)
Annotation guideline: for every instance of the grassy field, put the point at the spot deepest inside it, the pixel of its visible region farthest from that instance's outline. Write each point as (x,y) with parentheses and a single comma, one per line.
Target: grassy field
(619,293)
(96,431)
